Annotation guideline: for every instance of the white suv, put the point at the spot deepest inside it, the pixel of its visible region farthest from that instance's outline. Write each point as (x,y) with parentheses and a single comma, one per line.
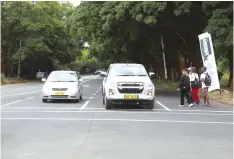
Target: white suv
(127,84)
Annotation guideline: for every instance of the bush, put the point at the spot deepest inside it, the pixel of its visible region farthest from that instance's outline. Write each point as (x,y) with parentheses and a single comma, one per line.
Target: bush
(3,78)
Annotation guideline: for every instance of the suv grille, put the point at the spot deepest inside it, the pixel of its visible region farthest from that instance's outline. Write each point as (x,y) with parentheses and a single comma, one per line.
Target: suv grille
(130,88)
(59,89)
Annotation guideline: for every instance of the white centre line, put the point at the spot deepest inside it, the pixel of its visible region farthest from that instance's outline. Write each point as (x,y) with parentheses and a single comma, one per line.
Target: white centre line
(29,97)
(163,106)
(84,105)
(123,120)
(10,103)
(94,94)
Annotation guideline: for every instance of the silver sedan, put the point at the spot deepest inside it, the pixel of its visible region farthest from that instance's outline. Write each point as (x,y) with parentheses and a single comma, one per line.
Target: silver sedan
(62,85)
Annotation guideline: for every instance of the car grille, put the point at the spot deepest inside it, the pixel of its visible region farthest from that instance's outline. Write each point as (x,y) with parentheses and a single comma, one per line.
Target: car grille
(59,96)
(135,88)
(130,90)
(59,89)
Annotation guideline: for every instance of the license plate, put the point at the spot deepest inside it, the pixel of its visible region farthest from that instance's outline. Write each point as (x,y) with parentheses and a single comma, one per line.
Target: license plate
(59,93)
(130,97)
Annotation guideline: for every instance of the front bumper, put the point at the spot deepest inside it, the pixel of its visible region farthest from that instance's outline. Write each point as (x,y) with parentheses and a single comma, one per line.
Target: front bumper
(66,95)
(119,99)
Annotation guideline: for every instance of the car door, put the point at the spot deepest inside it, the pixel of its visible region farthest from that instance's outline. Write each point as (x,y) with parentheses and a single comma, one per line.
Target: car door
(104,80)
(80,86)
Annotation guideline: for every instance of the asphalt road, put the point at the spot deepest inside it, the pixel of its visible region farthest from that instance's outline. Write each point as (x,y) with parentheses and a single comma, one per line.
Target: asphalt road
(31,129)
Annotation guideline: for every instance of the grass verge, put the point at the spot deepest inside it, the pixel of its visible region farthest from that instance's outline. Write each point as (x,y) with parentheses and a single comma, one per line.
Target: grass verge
(9,80)
(225,97)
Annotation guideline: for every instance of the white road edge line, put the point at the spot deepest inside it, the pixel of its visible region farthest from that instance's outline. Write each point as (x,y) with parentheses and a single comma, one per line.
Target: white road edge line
(10,103)
(84,105)
(163,106)
(126,120)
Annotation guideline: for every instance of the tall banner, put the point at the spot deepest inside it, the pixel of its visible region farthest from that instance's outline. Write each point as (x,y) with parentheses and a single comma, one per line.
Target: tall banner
(208,58)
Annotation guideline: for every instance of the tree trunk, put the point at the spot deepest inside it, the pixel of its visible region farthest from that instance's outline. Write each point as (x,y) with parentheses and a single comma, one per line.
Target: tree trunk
(230,63)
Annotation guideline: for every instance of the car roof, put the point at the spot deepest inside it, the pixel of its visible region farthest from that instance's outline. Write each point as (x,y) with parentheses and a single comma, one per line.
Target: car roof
(130,64)
(126,64)
(64,71)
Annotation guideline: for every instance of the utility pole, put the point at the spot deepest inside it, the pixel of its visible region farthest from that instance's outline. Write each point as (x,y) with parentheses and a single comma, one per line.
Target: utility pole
(18,76)
(164,60)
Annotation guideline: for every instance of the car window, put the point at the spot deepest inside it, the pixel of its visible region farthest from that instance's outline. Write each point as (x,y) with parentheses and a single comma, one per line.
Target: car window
(62,77)
(128,70)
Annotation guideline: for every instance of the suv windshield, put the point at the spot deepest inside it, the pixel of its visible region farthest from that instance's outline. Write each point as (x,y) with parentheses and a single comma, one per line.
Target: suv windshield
(62,77)
(128,70)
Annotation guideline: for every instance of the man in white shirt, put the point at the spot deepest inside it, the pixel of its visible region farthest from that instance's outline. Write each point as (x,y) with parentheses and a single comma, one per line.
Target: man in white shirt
(194,81)
(204,87)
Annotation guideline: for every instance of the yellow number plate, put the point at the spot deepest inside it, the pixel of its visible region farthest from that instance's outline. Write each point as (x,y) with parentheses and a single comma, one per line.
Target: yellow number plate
(130,97)
(59,93)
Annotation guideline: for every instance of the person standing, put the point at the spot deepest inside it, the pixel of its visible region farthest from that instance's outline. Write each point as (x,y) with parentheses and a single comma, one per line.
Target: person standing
(206,81)
(184,88)
(195,85)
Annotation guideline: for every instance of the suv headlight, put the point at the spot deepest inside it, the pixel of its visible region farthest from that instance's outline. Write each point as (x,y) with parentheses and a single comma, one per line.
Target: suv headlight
(110,89)
(149,88)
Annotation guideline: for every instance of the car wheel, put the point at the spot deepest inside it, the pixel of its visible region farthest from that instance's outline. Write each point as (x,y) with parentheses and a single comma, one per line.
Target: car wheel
(77,100)
(108,104)
(81,98)
(44,100)
(150,105)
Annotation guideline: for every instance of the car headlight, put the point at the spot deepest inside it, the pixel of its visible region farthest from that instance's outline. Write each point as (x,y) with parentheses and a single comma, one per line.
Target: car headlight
(73,89)
(111,92)
(149,88)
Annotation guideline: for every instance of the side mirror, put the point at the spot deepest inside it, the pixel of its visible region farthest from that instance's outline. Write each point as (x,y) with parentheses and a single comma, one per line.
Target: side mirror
(43,79)
(80,80)
(152,75)
(103,74)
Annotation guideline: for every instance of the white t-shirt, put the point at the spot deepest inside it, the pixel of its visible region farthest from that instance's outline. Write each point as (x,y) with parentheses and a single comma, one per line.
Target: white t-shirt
(193,76)
(203,76)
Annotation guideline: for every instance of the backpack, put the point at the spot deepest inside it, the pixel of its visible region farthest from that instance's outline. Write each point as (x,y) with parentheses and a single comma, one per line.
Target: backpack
(207,80)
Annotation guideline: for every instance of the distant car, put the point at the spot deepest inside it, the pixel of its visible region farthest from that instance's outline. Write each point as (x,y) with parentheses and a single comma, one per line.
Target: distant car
(128,84)
(62,85)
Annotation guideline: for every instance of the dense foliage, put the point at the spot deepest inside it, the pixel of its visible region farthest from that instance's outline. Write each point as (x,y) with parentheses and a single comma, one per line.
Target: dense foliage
(50,35)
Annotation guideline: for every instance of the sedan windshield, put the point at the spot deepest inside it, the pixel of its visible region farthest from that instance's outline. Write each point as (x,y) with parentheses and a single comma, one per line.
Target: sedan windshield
(62,77)
(129,70)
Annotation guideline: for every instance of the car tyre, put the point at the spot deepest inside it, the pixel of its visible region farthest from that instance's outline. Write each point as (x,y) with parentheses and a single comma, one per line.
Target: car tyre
(150,105)
(108,104)
(81,98)
(44,100)
(77,100)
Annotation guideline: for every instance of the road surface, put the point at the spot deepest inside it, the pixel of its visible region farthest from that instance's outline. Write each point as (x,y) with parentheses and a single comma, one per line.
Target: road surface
(31,129)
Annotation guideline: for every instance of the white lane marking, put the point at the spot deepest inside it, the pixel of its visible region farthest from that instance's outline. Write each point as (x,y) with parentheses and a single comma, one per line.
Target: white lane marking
(140,110)
(94,94)
(20,94)
(90,98)
(86,86)
(84,105)
(29,97)
(163,106)
(126,120)
(97,91)
(124,112)
(10,103)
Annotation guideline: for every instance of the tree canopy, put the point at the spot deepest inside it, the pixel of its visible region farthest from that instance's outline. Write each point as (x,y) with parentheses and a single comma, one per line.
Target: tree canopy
(50,35)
